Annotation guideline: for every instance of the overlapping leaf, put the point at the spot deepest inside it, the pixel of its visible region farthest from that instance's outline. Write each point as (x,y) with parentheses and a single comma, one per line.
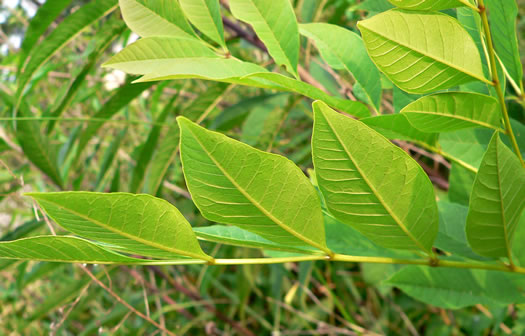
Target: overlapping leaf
(344,49)
(371,184)
(263,193)
(275,24)
(397,127)
(416,56)
(139,224)
(428,4)
(156,18)
(61,249)
(496,202)
(206,16)
(452,111)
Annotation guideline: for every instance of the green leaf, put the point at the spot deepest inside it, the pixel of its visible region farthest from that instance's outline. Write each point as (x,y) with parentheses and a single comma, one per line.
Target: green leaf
(109,157)
(452,111)
(396,126)
(461,180)
(232,235)
(371,184)
(344,49)
(70,27)
(114,104)
(139,224)
(46,14)
(147,150)
(502,18)
(61,249)
(243,73)
(427,5)
(466,146)
(155,18)
(456,288)
(496,202)
(275,24)
(233,183)
(206,16)
(452,237)
(155,54)
(418,57)
(36,145)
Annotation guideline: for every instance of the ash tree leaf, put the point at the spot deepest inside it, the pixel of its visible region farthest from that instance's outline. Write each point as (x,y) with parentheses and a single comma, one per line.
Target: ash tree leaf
(114,104)
(456,288)
(206,16)
(36,145)
(138,224)
(156,54)
(496,202)
(397,127)
(503,14)
(46,14)
(61,249)
(233,183)
(275,24)
(371,184)
(416,56)
(233,235)
(344,49)
(70,27)
(155,18)
(428,5)
(452,111)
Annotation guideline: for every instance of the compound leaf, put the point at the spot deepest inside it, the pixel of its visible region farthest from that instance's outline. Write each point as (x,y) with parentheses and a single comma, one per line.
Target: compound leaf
(233,183)
(371,184)
(496,202)
(416,56)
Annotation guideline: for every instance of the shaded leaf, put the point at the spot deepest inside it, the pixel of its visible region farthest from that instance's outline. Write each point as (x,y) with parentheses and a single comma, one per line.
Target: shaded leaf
(275,24)
(154,18)
(344,49)
(371,184)
(206,16)
(496,202)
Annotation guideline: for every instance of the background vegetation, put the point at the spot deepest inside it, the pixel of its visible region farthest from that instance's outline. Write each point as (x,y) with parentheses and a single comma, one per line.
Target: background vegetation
(132,149)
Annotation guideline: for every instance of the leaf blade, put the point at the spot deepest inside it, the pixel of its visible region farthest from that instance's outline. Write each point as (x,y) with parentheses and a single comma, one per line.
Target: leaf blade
(346,156)
(206,16)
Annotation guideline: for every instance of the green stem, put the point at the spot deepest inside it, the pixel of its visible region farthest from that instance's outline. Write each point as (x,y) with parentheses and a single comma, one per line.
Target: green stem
(495,79)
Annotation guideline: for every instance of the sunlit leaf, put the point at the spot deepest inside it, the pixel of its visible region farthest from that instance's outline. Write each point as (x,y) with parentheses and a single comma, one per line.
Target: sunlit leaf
(371,184)
(418,57)
(427,4)
(206,16)
(233,183)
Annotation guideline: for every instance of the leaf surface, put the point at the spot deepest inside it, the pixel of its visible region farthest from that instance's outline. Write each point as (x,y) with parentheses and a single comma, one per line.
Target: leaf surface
(233,183)
(155,18)
(397,127)
(70,27)
(139,224)
(456,288)
(416,56)
(275,24)
(496,202)
(371,184)
(61,249)
(427,5)
(206,16)
(452,111)
(344,49)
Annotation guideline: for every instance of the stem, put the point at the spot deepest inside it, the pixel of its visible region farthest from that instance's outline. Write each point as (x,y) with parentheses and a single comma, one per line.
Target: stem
(495,79)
